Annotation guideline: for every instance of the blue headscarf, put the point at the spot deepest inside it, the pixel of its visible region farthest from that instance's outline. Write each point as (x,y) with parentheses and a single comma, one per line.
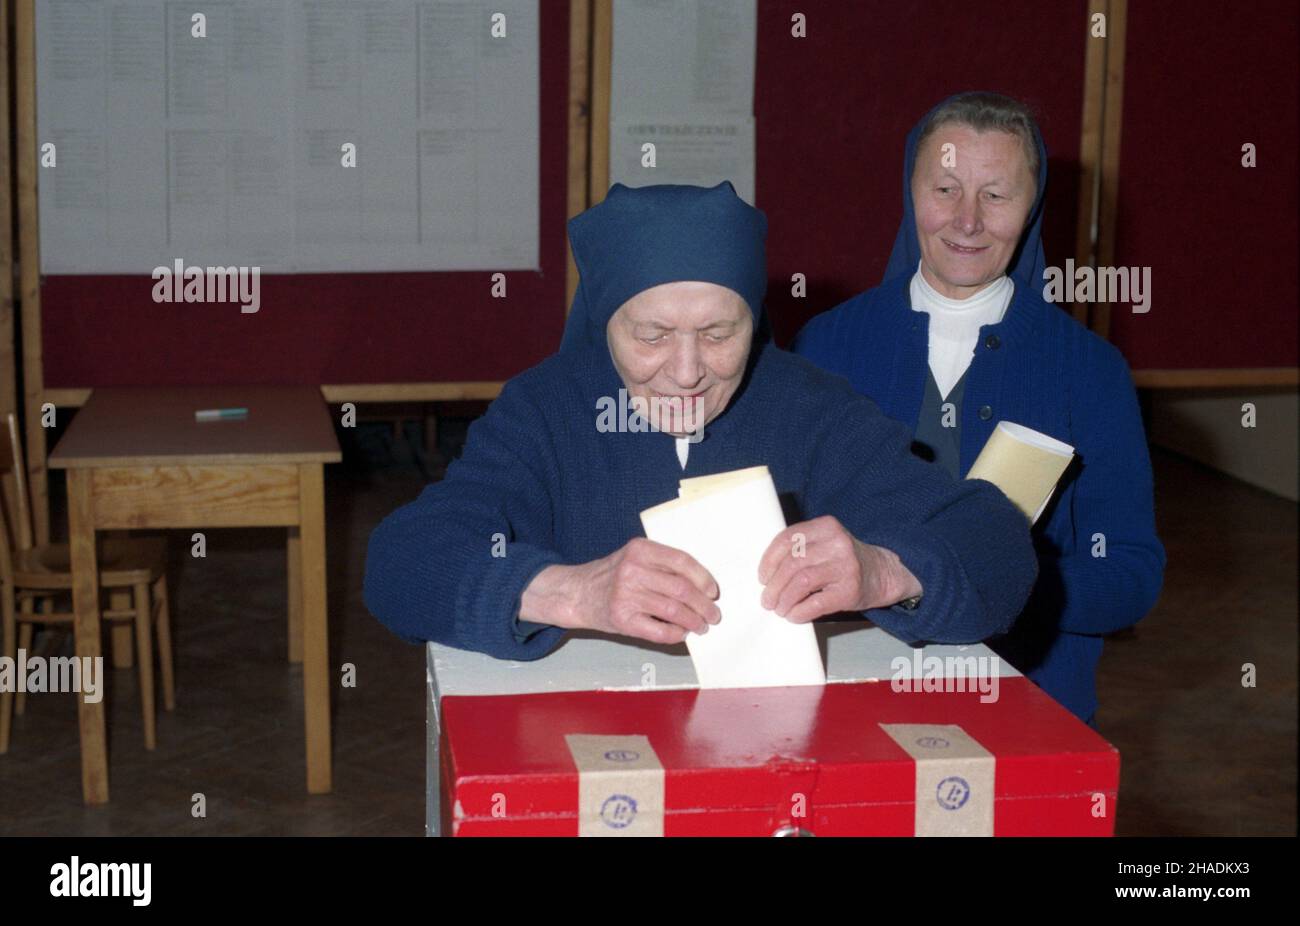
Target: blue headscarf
(645,236)
(1027,263)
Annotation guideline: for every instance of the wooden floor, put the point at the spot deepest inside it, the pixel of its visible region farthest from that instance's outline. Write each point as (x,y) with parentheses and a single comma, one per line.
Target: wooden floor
(1200,753)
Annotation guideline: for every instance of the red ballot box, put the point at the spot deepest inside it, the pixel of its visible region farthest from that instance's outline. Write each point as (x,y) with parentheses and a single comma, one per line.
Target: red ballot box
(847,759)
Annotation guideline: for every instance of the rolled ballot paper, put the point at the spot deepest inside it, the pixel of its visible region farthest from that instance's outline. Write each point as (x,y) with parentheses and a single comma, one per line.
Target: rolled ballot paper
(1025,464)
(726,522)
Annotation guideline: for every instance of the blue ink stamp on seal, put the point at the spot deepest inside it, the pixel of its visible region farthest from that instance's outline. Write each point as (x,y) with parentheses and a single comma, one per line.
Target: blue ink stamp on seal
(618,811)
(933,742)
(622,755)
(952,793)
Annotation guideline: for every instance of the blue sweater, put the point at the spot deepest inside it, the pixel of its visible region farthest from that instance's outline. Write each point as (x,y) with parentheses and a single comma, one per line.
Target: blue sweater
(536,472)
(1040,368)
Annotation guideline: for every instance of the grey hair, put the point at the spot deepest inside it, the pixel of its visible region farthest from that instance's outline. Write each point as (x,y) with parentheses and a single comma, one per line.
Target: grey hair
(988,112)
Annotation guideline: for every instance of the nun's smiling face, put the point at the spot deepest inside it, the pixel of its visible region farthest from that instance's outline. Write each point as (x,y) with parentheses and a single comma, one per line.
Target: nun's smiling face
(682,348)
(971,202)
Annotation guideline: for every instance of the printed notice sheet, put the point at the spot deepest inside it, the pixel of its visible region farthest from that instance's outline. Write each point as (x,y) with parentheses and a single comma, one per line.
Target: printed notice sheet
(682,81)
(683,56)
(697,152)
(293,135)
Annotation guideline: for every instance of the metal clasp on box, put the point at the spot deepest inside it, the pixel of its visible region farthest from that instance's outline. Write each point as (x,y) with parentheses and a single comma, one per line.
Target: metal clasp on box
(797,781)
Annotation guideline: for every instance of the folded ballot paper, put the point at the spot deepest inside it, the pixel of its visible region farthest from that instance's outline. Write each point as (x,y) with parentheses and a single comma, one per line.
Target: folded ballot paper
(726,522)
(1025,464)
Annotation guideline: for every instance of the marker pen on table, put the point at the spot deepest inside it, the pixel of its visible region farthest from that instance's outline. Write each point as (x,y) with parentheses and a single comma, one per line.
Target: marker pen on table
(219,414)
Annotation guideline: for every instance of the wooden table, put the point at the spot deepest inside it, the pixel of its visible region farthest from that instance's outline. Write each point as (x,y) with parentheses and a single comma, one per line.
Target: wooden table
(136,458)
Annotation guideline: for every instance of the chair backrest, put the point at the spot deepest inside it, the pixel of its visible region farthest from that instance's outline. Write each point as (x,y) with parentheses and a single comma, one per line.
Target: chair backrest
(15,505)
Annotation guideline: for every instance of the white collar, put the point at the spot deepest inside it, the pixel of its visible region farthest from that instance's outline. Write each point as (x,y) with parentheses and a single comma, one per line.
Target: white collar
(993,294)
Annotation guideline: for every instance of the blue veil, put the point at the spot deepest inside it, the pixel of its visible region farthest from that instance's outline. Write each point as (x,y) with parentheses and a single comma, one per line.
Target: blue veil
(640,237)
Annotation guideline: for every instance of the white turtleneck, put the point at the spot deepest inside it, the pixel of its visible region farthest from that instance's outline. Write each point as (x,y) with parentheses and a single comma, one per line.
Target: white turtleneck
(955,324)
(683,449)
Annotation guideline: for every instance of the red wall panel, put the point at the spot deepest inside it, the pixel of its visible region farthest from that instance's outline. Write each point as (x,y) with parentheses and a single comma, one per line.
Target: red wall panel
(1200,81)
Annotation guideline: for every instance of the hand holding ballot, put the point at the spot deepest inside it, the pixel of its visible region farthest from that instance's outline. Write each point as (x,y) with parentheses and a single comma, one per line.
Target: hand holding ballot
(726,521)
(657,589)
(643,589)
(816,567)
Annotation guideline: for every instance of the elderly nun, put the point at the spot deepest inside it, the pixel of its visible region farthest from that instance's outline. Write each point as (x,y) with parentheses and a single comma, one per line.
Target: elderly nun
(669,308)
(958,337)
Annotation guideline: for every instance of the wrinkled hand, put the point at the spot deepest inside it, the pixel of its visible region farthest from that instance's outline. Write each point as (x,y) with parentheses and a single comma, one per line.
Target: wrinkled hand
(646,590)
(817,567)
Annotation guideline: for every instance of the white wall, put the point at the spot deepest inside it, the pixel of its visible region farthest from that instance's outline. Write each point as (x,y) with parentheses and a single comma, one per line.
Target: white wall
(1206,426)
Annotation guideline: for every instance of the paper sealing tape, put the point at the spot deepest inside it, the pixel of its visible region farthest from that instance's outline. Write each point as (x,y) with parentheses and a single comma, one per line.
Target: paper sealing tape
(954,778)
(620,785)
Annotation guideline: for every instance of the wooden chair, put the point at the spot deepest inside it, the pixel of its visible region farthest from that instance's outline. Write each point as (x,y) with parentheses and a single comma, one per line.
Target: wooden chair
(132,568)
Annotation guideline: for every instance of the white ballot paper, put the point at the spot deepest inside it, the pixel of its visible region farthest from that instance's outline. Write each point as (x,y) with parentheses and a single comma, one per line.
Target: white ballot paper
(726,522)
(1025,464)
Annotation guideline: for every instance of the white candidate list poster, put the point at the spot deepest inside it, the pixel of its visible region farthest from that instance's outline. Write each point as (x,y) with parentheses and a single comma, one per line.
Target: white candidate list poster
(294,135)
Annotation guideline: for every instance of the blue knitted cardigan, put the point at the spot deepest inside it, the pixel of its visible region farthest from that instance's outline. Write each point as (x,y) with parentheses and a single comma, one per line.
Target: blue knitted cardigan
(538,482)
(1040,368)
